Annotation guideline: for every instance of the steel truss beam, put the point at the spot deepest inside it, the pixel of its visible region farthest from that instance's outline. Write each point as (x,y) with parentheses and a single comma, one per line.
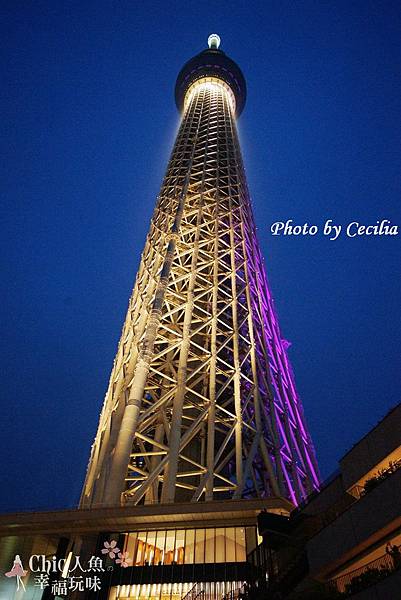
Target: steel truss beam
(201,402)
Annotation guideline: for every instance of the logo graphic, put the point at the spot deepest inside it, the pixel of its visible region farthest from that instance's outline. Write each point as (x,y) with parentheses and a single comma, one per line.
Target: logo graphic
(74,576)
(110,548)
(123,559)
(17,571)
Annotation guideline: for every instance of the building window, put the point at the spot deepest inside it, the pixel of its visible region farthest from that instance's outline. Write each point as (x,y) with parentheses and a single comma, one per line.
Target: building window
(206,590)
(199,546)
(209,545)
(240,544)
(190,546)
(160,547)
(170,543)
(220,545)
(179,547)
(189,554)
(230,544)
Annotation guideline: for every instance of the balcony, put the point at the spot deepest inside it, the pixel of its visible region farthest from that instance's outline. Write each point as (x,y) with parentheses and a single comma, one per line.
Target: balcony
(365,577)
(375,515)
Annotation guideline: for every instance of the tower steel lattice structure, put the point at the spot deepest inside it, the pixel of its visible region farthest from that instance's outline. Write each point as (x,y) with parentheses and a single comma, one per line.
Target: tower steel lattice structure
(201,403)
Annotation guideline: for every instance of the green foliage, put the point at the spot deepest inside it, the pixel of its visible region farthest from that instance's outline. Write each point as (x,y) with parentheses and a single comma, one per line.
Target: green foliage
(369,577)
(381,475)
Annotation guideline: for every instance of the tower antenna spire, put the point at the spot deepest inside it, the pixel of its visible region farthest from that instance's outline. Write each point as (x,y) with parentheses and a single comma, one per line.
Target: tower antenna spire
(213,41)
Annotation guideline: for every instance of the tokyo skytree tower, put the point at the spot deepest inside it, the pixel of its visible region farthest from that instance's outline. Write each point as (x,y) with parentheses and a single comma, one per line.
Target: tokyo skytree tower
(201,403)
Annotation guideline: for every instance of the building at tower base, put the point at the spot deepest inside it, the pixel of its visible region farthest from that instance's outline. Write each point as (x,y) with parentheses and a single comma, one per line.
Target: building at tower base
(346,540)
(174,551)
(341,541)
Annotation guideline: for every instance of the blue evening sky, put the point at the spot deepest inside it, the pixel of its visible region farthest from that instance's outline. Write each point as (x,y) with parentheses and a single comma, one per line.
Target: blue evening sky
(88,121)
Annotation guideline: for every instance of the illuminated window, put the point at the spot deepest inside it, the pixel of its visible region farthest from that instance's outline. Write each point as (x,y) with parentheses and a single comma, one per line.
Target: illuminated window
(175,591)
(220,546)
(210,536)
(251,542)
(230,544)
(150,548)
(240,544)
(130,546)
(190,546)
(189,556)
(179,547)
(170,543)
(140,555)
(159,551)
(199,546)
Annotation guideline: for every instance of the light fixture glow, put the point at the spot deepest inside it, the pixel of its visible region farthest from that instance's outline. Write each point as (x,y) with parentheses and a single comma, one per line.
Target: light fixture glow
(213,41)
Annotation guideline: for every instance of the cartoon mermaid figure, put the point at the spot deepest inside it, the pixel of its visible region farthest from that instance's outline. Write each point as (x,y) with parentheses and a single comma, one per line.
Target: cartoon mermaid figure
(17,571)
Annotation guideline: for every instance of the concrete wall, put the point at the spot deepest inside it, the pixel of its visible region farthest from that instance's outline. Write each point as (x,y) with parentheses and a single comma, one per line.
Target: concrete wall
(364,519)
(328,497)
(372,449)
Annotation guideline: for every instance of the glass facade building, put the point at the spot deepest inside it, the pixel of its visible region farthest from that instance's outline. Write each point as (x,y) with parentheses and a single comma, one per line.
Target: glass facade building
(190,546)
(172,564)
(209,590)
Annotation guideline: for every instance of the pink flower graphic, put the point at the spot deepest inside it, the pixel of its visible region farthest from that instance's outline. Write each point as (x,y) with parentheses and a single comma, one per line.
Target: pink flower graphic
(123,559)
(111,549)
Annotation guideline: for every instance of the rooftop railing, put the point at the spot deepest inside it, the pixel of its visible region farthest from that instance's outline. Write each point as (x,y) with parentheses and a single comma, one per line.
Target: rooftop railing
(367,575)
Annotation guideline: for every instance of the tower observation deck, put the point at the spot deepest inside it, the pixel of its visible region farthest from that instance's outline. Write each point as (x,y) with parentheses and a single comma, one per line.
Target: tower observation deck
(201,404)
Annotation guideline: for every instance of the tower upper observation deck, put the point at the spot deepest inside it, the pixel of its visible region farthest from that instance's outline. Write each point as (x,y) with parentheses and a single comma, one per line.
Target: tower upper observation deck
(215,64)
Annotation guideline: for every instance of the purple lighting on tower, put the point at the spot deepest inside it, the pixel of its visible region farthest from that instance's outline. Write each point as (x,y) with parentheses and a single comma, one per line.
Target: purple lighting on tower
(280,399)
